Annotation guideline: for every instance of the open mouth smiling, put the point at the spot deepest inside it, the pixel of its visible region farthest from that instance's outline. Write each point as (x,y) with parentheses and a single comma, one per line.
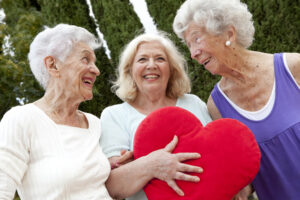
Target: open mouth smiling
(151,76)
(206,61)
(88,81)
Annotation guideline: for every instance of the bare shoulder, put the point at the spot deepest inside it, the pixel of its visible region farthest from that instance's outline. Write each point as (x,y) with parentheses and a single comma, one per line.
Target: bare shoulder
(212,109)
(293,62)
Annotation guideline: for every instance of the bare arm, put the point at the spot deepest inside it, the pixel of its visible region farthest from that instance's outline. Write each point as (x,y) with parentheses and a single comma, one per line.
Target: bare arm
(293,61)
(159,164)
(244,193)
(117,161)
(212,109)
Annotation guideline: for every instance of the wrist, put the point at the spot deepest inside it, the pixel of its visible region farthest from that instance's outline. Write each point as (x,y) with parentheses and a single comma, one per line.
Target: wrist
(148,165)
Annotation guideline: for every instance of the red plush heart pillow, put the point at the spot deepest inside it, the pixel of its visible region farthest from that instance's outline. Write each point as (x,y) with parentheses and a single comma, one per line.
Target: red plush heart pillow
(230,155)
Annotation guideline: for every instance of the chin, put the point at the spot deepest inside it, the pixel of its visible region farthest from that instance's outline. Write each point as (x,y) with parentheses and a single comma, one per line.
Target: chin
(88,97)
(213,71)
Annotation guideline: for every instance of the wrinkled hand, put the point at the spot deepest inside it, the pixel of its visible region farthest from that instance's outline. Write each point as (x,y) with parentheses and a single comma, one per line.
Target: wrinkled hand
(117,161)
(243,194)
(169,167)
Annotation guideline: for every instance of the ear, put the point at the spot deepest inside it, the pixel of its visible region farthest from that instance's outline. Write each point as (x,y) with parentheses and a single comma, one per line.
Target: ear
(230,34)
(51,67)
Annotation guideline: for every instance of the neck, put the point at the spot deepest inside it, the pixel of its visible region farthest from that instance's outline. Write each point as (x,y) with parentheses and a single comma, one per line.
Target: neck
(61,106)
(146,103)
(240,67)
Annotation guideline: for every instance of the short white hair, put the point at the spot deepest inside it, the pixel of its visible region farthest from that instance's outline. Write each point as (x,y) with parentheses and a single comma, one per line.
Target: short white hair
(179,82)
(57,42)
(215,16)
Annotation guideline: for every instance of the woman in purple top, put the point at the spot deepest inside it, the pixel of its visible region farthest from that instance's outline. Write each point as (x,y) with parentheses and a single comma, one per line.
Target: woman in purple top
(261,90)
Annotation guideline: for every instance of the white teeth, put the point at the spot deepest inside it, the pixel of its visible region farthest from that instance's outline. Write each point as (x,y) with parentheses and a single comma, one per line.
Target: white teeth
(87,81)
(151,76)
(207,61)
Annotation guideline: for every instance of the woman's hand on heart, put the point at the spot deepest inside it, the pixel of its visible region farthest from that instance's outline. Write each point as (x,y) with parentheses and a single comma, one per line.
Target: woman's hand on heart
(169,167)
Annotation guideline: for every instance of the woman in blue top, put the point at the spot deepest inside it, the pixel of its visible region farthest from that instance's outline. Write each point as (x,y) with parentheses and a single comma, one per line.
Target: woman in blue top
(259,89)
(151,75)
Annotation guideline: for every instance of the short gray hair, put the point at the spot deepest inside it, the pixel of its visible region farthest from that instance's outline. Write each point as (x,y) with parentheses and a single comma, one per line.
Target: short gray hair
(179,82)
(215,16)
(57,42)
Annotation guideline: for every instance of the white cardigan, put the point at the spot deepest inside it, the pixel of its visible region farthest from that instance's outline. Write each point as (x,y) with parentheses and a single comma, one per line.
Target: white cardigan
(50,161)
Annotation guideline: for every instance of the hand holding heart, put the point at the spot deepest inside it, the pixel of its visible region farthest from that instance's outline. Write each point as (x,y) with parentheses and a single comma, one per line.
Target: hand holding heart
(168,167)
(230,156)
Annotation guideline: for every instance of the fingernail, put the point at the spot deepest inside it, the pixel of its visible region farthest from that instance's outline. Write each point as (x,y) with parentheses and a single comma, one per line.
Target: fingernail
(181,194)
(200,170)
(197,179)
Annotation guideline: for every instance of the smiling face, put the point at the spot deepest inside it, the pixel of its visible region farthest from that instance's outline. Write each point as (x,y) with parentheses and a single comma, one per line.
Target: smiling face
(78,72)
(150,68)
(206,49)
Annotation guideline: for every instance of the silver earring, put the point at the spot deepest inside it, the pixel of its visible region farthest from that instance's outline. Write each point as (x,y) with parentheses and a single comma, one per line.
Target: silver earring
(227,43)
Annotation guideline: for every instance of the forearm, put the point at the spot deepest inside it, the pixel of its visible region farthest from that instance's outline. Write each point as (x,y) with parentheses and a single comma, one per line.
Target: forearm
(128,179)
(7,187)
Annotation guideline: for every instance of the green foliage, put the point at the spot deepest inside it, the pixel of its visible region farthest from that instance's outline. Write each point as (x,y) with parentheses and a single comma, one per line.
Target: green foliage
(70,12)
(277,25)
(22,24)
(118,23)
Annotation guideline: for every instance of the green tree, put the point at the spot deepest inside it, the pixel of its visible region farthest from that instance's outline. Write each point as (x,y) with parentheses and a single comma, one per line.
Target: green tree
(22,24)
(7,75)
(277,24)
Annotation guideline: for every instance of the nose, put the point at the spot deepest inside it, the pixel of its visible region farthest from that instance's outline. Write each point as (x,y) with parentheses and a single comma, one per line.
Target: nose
(194,52)
(151,64)
(94,69)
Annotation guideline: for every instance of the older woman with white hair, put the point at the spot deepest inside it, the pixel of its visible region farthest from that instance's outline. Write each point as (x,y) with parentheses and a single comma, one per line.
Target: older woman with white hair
(151,75)
(261,90)
(49,149)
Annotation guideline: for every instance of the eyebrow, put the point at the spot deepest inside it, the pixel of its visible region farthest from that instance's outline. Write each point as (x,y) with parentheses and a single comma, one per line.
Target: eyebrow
(156,54)
(193,33)
(85,51)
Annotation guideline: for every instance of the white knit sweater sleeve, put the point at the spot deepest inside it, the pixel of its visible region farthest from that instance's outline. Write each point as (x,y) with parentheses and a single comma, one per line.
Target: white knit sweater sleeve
(14,144)
(7,187)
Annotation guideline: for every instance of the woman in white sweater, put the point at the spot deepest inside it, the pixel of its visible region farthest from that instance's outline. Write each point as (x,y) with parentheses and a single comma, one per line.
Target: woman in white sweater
(49,149)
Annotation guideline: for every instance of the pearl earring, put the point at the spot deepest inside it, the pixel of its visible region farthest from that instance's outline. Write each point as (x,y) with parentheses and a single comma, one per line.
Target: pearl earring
(227,43)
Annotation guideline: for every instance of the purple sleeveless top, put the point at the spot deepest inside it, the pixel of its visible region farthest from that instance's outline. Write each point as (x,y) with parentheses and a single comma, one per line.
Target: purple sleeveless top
(278,136)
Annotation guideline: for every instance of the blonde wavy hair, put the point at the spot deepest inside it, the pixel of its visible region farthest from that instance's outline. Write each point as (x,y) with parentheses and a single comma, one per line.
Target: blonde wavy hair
(179,83)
